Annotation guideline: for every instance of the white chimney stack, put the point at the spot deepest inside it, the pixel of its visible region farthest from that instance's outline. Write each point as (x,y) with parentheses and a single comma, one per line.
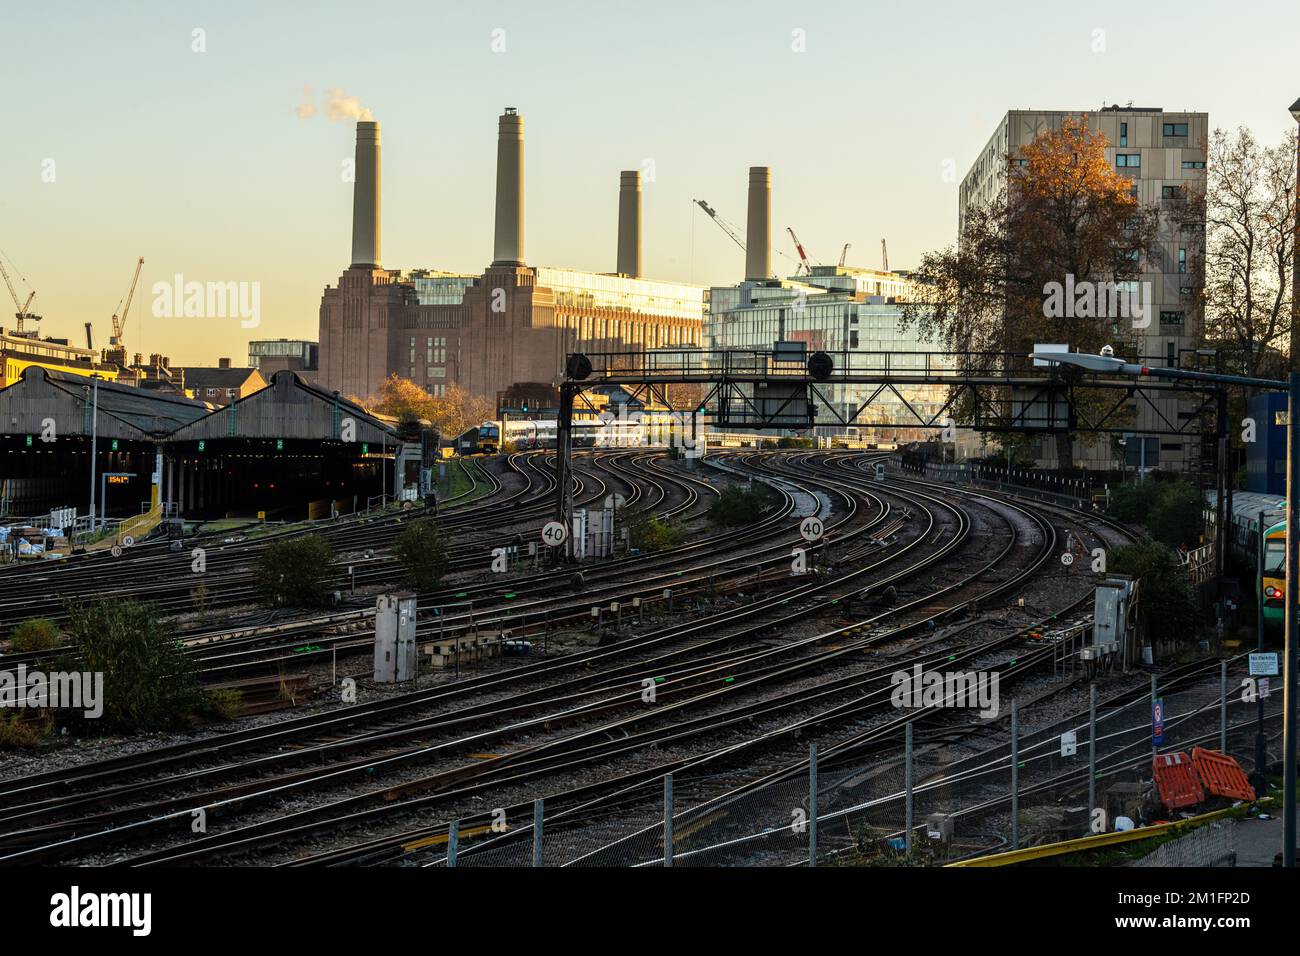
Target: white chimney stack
(758,225)
(629,223)
(366,198)
(508,248)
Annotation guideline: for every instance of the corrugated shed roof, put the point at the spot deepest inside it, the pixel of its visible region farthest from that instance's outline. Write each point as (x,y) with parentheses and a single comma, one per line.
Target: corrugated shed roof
(153,412)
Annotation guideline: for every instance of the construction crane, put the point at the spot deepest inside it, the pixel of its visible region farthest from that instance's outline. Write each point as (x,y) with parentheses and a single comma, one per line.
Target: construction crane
(844,252)
(24,308)
(722,223)
(730,229)
(803,257)
(884,255)
(119,324)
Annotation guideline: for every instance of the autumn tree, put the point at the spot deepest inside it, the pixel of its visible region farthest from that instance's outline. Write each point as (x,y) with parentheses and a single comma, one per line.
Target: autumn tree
(1250,248)
(451,413)
(1064,217)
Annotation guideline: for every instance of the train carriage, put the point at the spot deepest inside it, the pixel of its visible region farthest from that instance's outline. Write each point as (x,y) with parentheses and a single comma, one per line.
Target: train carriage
(1243,545)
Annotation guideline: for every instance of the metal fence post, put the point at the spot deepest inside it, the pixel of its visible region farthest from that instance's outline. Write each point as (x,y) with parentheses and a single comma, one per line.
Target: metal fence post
(1223,707)
(909,807)
(1015,776)
(668,819)
(1092,748)
(1155,746)
(812,804)
(453,842)
(537,832)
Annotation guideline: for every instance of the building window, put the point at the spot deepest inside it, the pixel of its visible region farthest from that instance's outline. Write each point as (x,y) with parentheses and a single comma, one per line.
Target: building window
(1193,164)
(1185,290)
(1173,317)
(1170,192)
(1175,129)
(1182,260)
(1129,160)
(1171,354)
(1123,134)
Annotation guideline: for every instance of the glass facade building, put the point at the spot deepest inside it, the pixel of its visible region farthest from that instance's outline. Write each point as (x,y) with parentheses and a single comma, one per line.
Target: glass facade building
(589,292)
(866,328)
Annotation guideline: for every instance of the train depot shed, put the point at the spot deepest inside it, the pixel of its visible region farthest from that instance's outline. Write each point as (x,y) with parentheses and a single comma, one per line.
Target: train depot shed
(292,450)
(46,435)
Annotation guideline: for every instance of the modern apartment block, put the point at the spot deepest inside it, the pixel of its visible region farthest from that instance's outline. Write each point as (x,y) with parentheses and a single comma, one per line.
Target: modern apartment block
(1163,153)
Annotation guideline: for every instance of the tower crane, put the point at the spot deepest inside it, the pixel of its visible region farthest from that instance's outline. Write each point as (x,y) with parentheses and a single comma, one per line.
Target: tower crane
(844,252)
(119,324)
(884,255)
(803,257)
(24,308)
(731,230)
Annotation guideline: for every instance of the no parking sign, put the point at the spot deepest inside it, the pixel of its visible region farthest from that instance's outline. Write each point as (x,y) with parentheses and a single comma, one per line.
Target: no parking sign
(1158,721)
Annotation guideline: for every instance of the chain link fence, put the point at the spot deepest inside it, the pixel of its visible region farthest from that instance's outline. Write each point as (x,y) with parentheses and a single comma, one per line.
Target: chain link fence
(920,791)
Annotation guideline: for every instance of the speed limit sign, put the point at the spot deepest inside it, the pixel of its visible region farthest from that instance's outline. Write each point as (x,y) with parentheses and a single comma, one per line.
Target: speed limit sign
(127,541)
(811,528)
(553,534)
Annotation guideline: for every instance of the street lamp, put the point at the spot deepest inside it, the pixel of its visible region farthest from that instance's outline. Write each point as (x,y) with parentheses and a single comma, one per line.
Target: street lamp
(1108,364)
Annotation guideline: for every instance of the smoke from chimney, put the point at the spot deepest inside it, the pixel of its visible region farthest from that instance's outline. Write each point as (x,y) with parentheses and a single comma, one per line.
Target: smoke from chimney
(758,224)
(340,106)
(508,245)
(629,223)
(366,209)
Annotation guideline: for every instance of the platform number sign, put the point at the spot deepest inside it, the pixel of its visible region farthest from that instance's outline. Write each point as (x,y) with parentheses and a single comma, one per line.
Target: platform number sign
(279,444)
(1158,721)
(812,528)
(29,441)
(114,444)
(202,445)
(554,534)
(365,448)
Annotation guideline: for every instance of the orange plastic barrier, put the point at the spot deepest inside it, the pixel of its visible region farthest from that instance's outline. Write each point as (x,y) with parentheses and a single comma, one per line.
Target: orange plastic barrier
(1221,775)
(1176,781)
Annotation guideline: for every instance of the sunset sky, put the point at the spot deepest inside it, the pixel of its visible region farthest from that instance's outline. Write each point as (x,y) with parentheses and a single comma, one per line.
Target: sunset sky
(201,163)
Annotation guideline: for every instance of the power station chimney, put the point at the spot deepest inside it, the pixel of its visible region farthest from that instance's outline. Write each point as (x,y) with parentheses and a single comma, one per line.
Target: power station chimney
(758,226)
(365,198)
(629,223)
(508,248)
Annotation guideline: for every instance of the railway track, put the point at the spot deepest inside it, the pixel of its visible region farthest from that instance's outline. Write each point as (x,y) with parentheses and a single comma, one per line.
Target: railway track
(590,717)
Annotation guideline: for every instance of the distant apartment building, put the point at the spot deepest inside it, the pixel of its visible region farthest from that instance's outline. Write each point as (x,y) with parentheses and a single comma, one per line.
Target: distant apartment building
(513,323)
(1162,153)
(19,350)
(269,356)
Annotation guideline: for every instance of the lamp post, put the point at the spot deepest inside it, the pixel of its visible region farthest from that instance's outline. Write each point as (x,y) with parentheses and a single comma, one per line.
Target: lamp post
(94,434)
(1110,365)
